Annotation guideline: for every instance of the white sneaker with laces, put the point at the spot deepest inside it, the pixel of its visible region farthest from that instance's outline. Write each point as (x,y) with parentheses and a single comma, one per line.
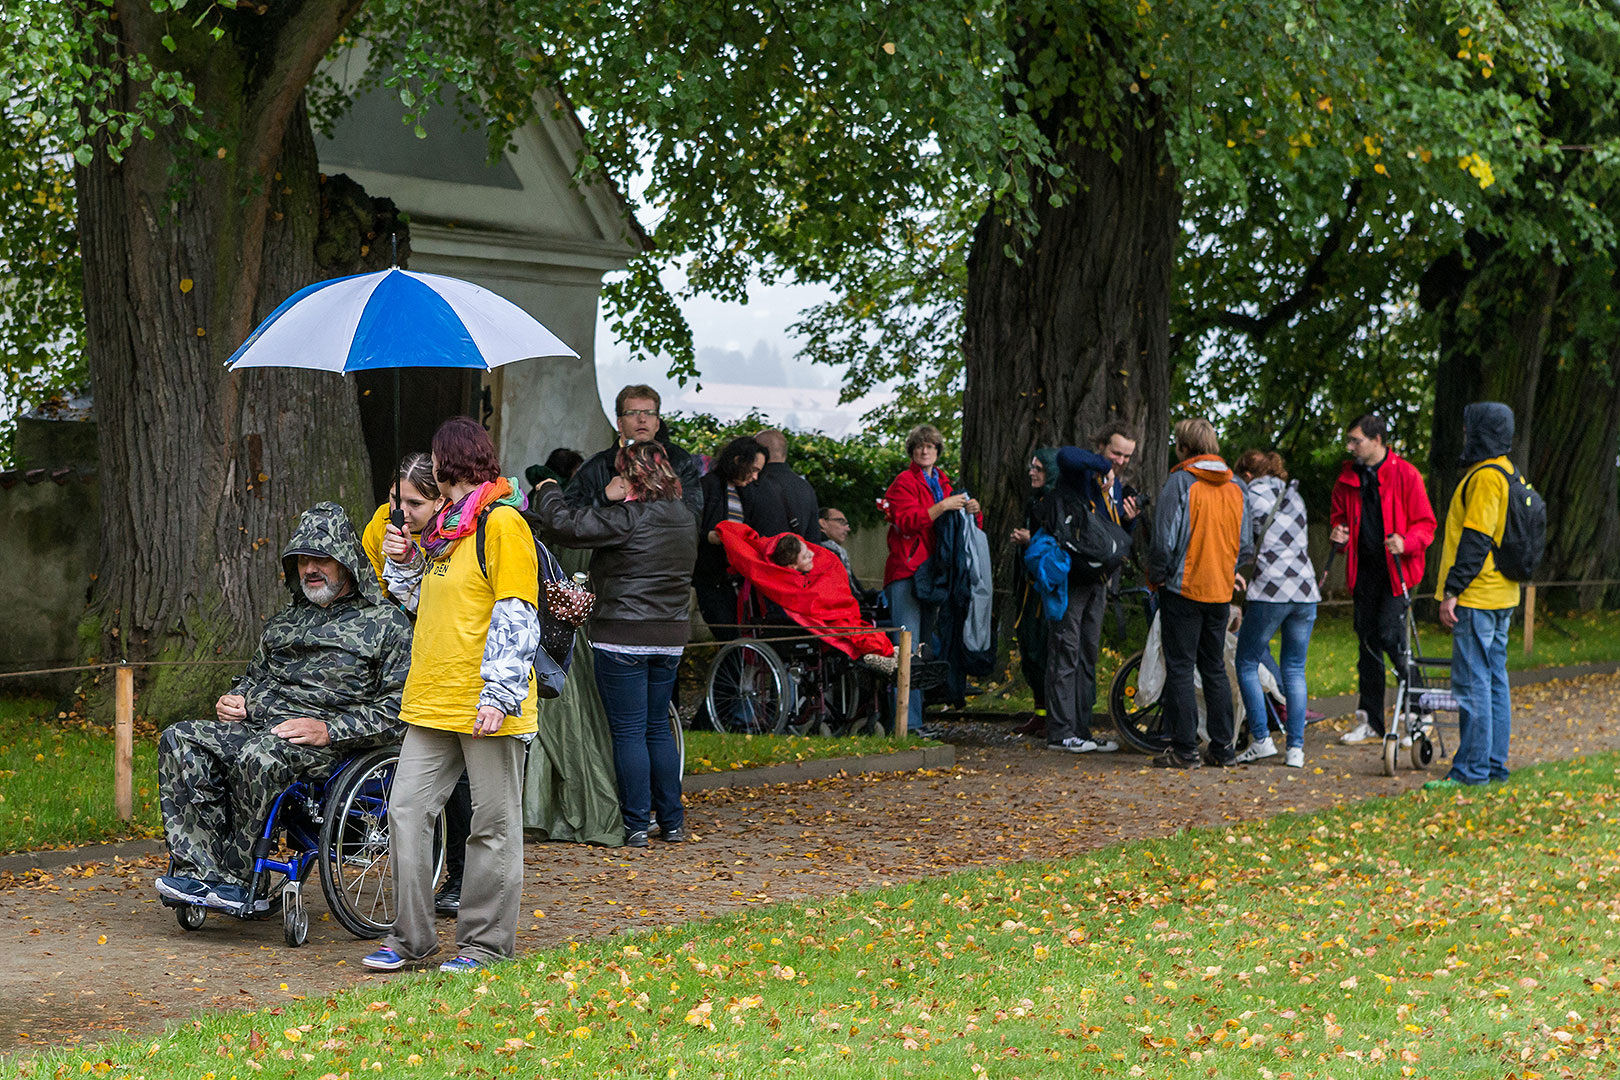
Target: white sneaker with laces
(1295,757)
(1361,733)
(1093,746)
(1256,750)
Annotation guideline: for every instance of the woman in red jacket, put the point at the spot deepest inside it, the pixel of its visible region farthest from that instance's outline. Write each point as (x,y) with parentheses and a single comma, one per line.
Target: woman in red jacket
(914,501)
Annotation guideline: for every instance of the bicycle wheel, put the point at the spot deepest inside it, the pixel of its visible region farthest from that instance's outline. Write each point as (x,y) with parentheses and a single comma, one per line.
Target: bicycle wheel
(356,864)
(678,731)
(750,690)
(1142,728)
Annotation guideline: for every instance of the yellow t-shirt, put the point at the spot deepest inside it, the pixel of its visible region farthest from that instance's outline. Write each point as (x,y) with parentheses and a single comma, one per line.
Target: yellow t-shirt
(371,540)
(452,623)
(1485,512)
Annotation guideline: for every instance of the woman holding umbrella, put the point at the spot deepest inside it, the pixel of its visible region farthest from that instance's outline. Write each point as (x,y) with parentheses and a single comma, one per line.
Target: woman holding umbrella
(469,702)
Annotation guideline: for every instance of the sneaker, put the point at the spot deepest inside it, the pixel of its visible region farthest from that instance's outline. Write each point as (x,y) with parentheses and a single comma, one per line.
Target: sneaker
(1362,732)
(463,965)
(1216,761)
(384,959)
(1264,748)
(182,889)
(635,839)
(676,835)
(227,896)
(1172,760)
(1448,784)
(1097,746)
(1294,758)
(1072,745)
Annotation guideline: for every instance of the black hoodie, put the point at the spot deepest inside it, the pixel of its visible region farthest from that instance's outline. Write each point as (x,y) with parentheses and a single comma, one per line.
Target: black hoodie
(1478,511)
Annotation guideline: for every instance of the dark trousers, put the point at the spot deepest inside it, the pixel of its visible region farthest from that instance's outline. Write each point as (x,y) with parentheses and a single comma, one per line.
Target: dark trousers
(1033,636)
(635,695)
(717,602)
(1380,622)
(1071,663)
(457,824)
(1194,637)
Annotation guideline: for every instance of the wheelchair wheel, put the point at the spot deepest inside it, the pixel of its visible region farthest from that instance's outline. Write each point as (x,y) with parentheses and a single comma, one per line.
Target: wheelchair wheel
(190,916)
(356,862)
(1142,728)
(750,691)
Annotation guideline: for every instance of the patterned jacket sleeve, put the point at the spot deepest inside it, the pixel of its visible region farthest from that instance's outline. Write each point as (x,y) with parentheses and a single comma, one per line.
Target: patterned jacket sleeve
(514,635)
(403,580)
(376,720)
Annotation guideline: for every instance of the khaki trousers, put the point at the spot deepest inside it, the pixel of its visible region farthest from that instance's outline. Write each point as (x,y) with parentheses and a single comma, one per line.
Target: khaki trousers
(430,763)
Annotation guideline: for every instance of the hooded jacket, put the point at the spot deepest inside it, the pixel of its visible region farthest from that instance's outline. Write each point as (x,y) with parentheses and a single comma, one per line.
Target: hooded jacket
(1201,533)
(1477,515)
(343,664)
(1406,509)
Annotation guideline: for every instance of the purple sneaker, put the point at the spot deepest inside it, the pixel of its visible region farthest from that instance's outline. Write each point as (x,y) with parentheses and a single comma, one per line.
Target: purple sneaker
(384,959)
(461,965)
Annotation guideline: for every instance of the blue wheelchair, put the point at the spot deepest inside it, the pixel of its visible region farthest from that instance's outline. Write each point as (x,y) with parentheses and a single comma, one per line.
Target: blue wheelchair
(339,825)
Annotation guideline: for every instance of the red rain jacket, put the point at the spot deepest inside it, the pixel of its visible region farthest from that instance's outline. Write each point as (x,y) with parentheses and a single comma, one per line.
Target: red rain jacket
(1405,503)
(815,600)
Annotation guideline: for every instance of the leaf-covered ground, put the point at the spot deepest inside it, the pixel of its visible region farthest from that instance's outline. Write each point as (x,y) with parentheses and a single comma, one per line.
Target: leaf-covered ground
(1420,935)
(90,953)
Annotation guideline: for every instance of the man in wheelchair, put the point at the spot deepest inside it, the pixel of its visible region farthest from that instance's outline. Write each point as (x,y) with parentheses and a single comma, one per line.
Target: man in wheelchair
(324,684)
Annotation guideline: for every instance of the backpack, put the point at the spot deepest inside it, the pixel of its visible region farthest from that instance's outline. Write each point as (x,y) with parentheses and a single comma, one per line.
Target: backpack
(555,653)
(1524,534)
(1095,542)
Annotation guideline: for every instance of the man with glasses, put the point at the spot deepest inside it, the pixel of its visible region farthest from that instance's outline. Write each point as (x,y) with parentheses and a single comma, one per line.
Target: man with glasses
(636,409)
(835,530)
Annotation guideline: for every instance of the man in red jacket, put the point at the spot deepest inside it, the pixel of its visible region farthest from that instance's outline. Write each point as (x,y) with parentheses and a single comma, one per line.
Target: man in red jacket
(1383,522)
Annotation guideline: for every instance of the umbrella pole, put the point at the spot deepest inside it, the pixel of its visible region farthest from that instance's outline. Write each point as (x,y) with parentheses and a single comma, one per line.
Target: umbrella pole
(397,515)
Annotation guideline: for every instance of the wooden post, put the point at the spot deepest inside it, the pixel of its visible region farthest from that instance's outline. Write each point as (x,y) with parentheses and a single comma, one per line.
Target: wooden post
(1529,618)
(124,743)
(902,691)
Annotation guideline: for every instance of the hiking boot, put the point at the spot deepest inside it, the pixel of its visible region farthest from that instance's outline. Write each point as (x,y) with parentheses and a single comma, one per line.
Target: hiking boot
(1216,761)
(1172,760)
(1295,757)
(1361,733)
(1256,750)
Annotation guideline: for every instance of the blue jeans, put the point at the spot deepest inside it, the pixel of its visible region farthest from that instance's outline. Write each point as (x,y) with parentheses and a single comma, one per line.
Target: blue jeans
(1261,621)
(635,694)
(906,610)
(1479,681)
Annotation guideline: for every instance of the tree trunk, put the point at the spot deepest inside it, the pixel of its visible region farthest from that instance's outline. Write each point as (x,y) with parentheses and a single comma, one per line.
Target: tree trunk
(204,472)
(1074,330)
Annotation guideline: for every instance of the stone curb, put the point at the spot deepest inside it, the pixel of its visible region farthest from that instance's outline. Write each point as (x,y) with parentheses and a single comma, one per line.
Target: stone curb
(928,757)
(50,860)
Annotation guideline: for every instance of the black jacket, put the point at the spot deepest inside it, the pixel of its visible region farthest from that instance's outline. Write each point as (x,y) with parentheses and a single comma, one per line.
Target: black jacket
(641,569)
(711,566)
(589,485)
(782,501)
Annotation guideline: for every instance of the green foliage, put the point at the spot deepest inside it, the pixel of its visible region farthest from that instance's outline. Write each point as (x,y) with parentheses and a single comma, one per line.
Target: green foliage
(851,473)
(713,751)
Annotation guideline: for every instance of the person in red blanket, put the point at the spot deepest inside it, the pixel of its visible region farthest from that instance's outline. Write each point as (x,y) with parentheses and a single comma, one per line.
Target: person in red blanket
(810,584)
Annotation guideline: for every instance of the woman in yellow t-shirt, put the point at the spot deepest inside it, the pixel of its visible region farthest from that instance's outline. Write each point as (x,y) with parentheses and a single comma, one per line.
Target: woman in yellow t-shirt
(416,494)
(469,702)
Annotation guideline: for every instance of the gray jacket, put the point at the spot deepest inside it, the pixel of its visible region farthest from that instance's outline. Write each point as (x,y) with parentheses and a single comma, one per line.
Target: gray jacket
(641,569)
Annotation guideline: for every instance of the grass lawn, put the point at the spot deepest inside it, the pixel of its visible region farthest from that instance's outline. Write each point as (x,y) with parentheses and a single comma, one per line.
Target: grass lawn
(710,751)
(1561,639)
(1411,936)
(56,780)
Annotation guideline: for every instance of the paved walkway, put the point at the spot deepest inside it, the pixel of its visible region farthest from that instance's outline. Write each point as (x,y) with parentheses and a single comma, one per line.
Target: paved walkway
(90,952)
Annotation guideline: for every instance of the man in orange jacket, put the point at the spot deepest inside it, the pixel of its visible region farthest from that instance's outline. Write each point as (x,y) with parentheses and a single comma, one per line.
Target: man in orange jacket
(1200,536)
(1383,522)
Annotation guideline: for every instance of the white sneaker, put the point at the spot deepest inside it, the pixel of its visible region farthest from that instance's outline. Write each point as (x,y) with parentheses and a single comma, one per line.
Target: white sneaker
(1406,742)
(1361,733)
(1093,746)
(1295,757)
(1256,750)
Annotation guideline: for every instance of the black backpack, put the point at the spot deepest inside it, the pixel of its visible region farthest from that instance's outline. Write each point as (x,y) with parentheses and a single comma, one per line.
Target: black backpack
(1524,535)
(1096,544)
(555,655)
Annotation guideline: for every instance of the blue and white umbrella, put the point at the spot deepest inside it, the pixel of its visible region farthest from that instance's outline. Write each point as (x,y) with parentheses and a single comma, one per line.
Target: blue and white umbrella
(396,319)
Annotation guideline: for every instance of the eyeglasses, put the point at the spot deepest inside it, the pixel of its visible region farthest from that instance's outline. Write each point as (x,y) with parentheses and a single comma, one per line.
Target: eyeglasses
(647,413)
(837,521)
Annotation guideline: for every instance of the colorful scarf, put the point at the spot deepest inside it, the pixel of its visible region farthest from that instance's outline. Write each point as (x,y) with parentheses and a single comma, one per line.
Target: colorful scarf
(460,518)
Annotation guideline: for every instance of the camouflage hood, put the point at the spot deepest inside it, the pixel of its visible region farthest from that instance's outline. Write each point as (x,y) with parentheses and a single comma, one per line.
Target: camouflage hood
(324,530)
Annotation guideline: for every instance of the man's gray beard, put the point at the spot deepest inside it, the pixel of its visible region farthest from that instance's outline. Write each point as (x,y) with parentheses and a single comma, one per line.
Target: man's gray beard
(325,594)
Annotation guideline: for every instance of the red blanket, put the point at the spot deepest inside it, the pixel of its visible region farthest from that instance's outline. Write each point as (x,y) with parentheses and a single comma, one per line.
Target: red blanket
(815,600)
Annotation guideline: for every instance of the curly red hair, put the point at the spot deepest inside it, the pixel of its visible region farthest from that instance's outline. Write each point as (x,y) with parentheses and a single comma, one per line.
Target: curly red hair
(463,453)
